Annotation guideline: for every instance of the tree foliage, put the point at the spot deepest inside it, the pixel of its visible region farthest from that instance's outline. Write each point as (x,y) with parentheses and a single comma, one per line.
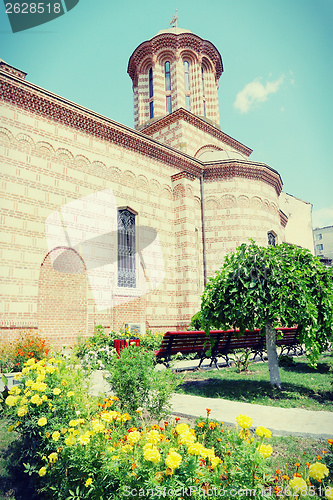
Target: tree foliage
(278,286)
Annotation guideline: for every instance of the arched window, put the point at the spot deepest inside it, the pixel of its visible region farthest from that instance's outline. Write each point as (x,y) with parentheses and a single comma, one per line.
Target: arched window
(151,93)
(126,249)
(167,75)
(187,75)
(271,238)
(203,90)
(187,85)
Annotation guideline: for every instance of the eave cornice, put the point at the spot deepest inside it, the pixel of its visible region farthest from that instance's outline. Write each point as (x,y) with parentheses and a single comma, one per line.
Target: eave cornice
(53,107)
(183,114)
(246,169)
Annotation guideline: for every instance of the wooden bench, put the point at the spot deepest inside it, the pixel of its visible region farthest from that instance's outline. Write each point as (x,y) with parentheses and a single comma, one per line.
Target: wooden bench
(222,343)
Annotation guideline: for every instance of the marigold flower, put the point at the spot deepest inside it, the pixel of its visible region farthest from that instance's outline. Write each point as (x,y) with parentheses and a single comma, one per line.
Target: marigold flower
(56,391)
(318,471)
(244,421)
(70,394)
(173,460)
(53,457)
(298,486)
(212,425)
(84,439)
(106,416)
(214,462)
(70,440)
(97,426)
(263,432)
(36,399)
(195,449)
(153,437)
(56,435)
(265,450)
(151,453)
(133,437)
(186,438)
(88,482)
(15,390)
(330,442)
(42,471)
(11,400)
(201,424)
(42,421)
(22,410)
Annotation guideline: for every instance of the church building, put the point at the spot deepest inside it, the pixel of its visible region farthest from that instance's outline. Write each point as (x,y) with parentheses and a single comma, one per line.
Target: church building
(104,224)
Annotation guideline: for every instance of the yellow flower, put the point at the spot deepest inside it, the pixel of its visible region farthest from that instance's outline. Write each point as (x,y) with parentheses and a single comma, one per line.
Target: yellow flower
(153,437)
(11,400)
(42,421)
(84,439)
(22,410)
(30,362)
(29,382)
(56,435)
(44,397)
(133,437)
(151,453)
(186,438)
(73,423)
(56,391)
(42,471)
(329,492)
(195,449)
(53,457)
(215,461)
(173,459)
(15,390)
(64,383)
(37,400)
(97,426)
(318,471)
(265,450)
(244,421)
(70,440)
(180,428)
(11,428)
(70,393)
(39,386)
(126,448)
(88,482)
(17,376)
(106,416)
(263,432)
(298,486)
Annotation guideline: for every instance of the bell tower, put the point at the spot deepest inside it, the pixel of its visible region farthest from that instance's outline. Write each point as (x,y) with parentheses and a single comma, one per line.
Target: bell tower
(175,69)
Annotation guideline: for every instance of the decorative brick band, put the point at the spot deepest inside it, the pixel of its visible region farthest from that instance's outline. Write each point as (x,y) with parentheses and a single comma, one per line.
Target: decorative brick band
(199,123)
(40,102)
(183,175)
(249,170)
(283,218)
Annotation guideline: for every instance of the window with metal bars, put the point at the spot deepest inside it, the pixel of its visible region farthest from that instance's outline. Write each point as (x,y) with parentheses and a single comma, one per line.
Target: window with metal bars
(126,249)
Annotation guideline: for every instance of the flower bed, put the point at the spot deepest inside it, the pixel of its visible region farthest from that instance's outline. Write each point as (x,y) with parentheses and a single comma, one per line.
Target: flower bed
(74,446)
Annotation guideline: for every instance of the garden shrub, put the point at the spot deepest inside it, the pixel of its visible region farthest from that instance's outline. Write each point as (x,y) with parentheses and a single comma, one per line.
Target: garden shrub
(74,447)
(15,354)
(96,351)
(137,384)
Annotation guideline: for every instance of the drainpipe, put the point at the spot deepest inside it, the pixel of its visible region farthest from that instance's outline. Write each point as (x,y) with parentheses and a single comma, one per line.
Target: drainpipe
(203,230)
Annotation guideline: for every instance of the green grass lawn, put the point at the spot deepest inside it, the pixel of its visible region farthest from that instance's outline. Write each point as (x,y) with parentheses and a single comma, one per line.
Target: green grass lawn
(302,386)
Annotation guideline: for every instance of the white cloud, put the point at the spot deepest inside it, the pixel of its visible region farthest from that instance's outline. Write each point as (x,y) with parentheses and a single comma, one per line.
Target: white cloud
(255,92)
(322,217)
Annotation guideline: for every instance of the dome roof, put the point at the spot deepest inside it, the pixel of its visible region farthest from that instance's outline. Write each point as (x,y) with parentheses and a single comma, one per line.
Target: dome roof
(222,155)
(175,30)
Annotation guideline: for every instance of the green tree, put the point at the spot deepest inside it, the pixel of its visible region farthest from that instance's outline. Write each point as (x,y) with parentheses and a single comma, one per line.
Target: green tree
(267,288)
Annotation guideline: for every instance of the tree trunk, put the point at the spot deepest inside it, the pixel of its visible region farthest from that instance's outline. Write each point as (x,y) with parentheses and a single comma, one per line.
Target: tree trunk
(273,364)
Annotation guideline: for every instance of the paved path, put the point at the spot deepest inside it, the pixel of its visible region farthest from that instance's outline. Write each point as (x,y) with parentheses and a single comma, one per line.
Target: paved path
(281,421)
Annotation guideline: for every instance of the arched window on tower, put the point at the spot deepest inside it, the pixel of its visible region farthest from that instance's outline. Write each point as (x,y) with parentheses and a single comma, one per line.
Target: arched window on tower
(168,87)
(126,249)
(187,85)
(203,90)
(151,94)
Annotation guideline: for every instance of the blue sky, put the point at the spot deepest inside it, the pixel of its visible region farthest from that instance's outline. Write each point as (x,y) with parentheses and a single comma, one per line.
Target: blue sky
(275,92)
